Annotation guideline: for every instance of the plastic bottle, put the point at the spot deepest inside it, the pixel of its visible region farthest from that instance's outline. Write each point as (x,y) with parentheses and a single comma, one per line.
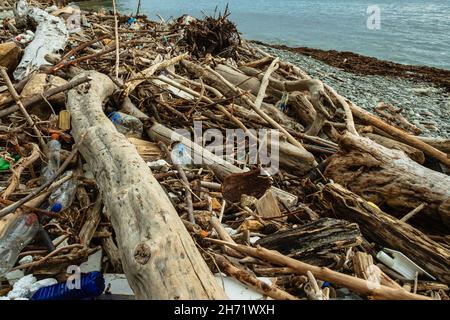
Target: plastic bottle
(129,126)
(16,237)
(91,285)
(62,197)
(54,157)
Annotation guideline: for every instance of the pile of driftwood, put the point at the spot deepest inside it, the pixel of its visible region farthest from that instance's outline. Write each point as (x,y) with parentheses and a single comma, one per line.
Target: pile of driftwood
(350,183)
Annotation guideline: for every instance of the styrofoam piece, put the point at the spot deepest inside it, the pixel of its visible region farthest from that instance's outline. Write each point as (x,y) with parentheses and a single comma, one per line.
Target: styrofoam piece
(254,239)
(117,284)
(235,290)
(231,231)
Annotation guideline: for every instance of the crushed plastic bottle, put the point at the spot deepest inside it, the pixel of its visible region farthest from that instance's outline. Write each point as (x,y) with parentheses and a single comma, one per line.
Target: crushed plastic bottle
(127,125)
(63,197)
(54,158)
(16,237)
(181,155)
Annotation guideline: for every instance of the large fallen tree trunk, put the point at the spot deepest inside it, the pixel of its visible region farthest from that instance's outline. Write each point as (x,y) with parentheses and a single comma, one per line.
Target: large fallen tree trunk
(159,257)
(51,36)
(389,177)
(385,229)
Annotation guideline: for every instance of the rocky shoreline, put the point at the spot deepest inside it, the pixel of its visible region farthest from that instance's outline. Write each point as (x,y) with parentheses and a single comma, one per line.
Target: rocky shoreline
(424,103)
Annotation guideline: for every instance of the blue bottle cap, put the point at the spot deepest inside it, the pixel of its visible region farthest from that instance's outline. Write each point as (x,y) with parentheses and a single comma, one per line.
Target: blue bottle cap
(57,207)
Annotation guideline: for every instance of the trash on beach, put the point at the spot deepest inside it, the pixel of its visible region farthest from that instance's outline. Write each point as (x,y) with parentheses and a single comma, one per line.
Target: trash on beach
(191,151)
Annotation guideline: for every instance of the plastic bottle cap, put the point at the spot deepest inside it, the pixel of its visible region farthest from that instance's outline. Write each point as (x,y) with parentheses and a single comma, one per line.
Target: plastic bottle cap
(55,136)
(57,207)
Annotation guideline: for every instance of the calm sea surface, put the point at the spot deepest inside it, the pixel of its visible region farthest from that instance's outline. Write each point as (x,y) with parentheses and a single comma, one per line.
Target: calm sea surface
(412,31)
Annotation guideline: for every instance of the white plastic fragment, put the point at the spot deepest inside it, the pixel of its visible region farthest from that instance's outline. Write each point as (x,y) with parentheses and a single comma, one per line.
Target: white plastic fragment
(254,239)
(26,260)
(117,284)
(235,290)
(400,263)
(159,165)
(231,231)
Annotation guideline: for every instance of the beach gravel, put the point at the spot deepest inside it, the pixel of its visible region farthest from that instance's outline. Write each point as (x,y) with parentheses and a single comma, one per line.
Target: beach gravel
(424,104)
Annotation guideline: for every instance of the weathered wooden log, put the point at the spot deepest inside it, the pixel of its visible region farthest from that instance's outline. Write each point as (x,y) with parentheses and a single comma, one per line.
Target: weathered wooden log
(51,35)
(389,177)
(389,231)
(270,109)
(158,255)
(413,153)
(322,235)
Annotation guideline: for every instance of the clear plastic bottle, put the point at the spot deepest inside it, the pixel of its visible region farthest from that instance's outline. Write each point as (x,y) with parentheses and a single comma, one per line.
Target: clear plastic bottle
(63,197)
(126,124)
(53,156)
(16,237)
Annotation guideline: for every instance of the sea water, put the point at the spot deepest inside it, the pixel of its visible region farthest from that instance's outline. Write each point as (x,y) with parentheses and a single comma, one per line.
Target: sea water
(404,31)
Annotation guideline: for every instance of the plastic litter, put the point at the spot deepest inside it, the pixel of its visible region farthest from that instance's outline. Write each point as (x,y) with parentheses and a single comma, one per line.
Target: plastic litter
(54,158)
(127,125)
(91,286)
(63,197)
(400,263)
(16,237)
(5,161)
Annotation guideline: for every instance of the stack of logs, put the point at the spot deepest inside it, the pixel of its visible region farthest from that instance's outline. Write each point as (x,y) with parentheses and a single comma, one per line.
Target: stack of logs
(350,183)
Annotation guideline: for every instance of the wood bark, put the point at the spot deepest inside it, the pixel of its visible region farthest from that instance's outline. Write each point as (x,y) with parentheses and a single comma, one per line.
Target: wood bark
(389,177)
(389,231)
(322,235)
(159,257)
(400,135)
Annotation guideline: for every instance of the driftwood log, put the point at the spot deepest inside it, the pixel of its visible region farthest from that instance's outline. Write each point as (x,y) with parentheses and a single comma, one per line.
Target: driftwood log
(51,35)
(389,231)
(322,235)
(158,255)
(388,177)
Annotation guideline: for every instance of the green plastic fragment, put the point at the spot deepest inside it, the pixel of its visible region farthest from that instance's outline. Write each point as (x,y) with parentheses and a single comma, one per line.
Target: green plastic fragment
(4,164)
